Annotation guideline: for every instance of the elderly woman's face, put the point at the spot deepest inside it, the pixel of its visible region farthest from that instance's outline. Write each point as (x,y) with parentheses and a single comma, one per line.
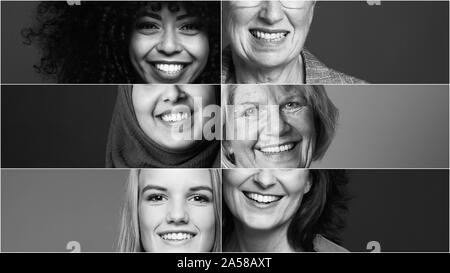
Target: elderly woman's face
(272,127)
(269,33)
(176,210)
(168,46)
(265,199)
(172,115)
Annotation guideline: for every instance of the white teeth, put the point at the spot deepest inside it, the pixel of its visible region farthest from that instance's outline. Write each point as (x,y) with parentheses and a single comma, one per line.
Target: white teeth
(180,236)
(174,117)
(169,68)
(263,198)
(278,149)
(270,37)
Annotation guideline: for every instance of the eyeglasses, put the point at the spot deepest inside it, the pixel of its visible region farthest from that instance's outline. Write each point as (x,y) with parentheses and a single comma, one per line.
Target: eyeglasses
(290,4)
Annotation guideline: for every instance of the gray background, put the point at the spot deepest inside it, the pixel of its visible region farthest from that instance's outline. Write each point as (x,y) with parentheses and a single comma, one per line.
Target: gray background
(392,126)
(42,210)
(395,42)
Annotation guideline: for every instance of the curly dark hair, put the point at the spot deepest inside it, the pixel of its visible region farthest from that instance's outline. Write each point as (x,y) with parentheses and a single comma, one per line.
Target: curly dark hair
(321,213)
(88,43)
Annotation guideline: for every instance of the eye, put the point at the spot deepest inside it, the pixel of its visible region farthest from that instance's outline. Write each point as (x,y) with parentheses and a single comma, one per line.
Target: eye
(200,198)
(190,28)
(147,27)
(250,112)
(292,106)
(155,197)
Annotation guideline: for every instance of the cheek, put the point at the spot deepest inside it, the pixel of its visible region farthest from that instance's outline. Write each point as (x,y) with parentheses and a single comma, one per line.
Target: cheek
(197,46)
(140,45)
(304,124)
(148,220)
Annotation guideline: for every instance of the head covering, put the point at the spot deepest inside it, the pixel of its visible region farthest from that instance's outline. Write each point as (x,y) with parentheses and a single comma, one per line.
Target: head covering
(129,147)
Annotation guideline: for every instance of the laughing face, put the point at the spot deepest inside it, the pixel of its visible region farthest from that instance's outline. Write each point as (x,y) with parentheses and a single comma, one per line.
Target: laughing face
(176,211)
(272,127)
(171,115)
(168,45)
(268,34)
(265,199)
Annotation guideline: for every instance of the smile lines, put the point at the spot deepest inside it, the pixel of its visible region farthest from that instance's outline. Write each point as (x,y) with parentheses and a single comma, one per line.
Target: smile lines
(260,198)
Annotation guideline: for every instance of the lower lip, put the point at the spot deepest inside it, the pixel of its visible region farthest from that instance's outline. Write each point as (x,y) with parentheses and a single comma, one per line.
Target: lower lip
(259,205)
(169,76)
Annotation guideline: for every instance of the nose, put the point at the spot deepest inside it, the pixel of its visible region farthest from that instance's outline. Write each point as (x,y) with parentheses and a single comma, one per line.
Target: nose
(274,123)
(265,179)
(169,44)
(271,12)
(173,93)
(177,213)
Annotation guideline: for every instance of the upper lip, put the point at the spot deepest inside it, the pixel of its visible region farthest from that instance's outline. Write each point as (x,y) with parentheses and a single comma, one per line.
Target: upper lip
(264,194)
(169,62)
(266,30)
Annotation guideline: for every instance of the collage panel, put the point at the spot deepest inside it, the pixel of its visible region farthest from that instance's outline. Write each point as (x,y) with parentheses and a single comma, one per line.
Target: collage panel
(335,42)
(335,126)
(335,210)
(111,210)
(117,42)
(97,126)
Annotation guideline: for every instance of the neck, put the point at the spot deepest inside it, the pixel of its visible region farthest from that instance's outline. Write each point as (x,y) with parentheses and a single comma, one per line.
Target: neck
(247,239)
(291,72)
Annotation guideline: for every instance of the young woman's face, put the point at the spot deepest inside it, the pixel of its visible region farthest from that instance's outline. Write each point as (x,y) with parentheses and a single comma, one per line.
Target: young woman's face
(172,115)
(168,46)
(265,198)
(268,33)
(176,210)
(273,127)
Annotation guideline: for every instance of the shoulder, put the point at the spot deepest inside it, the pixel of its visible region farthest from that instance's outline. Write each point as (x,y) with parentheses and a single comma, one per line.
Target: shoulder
(322,244)
(319,73)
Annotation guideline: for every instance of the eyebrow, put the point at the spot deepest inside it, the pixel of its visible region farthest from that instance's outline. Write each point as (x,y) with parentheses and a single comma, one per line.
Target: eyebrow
(152,187)
(201,188)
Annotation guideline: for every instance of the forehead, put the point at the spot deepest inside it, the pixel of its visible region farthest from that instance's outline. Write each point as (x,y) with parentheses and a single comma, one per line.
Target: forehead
(158,7)
(261,93)
(175,179)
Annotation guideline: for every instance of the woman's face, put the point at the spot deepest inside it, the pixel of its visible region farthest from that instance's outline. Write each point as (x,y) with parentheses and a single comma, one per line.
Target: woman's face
(172,115)
(273,127)
(168,46)
(176,210)
(268,33)
(265,198)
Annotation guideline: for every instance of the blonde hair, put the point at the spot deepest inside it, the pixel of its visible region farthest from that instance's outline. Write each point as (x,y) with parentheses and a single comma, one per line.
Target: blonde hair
(129,233)
(324,112)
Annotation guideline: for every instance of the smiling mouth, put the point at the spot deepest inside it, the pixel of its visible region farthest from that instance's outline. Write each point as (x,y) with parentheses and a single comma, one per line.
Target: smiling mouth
(262,198)
(170,69)
(269,36)
(276,149)
(177,236)
(175,117)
